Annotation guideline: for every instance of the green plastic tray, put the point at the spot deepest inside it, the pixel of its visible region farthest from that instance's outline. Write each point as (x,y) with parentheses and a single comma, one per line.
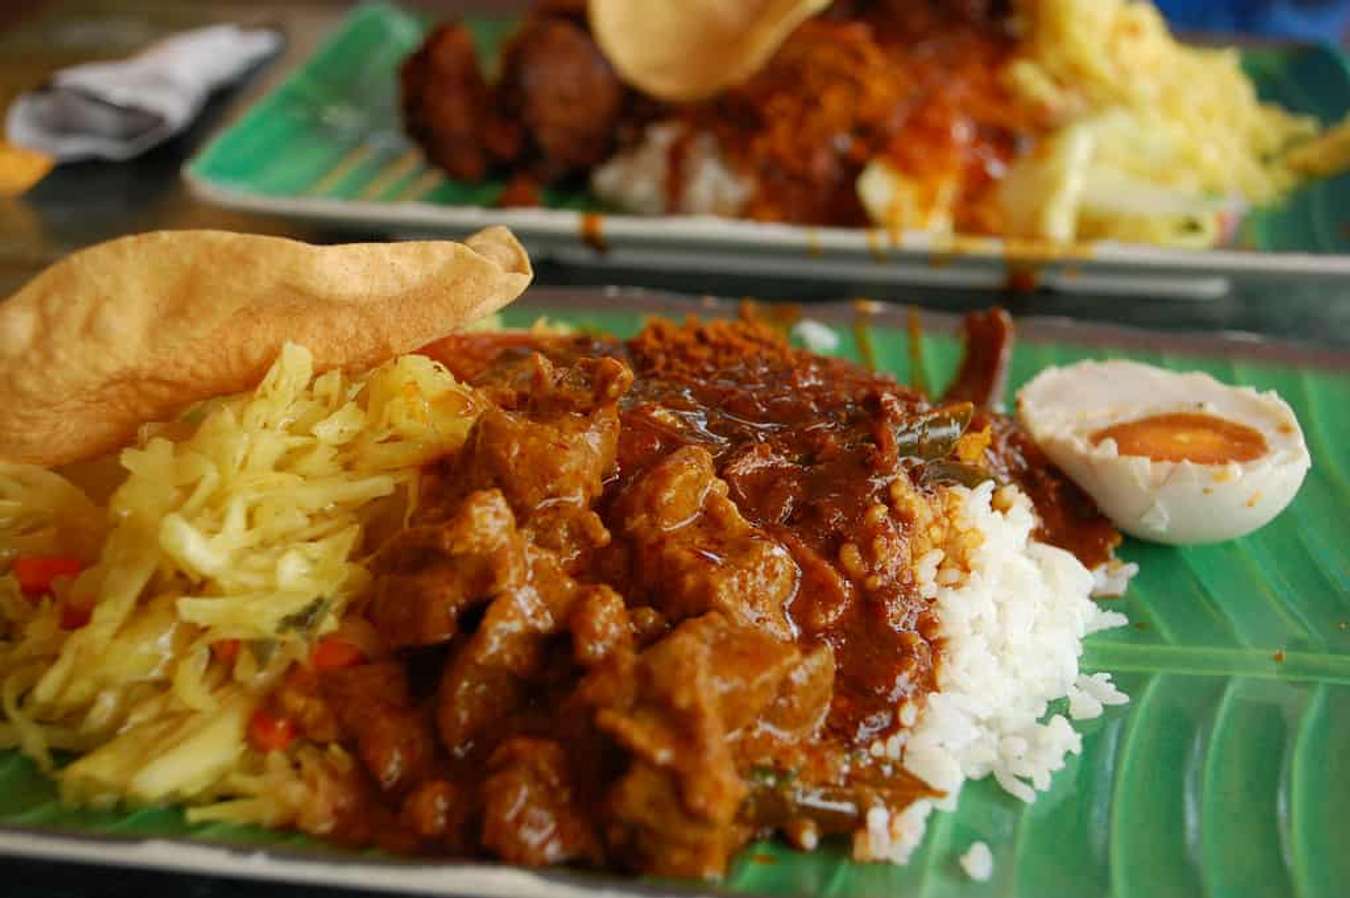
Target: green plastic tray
(327,144)
(1227,775)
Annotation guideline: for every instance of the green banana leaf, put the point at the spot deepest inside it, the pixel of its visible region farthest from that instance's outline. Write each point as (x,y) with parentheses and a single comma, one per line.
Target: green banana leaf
(1227,775)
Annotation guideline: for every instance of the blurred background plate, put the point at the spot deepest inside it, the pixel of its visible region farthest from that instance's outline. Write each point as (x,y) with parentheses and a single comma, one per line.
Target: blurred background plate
(327,146)
(1227,775)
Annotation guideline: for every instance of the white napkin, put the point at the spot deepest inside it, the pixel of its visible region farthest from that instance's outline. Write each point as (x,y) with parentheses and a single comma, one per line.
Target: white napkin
(117,110)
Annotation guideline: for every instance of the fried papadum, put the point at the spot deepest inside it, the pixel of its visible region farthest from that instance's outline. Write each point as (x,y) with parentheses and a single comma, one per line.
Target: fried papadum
(136,329)
(685,50)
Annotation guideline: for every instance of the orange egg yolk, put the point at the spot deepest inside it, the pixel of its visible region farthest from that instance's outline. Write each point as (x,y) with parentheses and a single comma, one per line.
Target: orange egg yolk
(1185,436)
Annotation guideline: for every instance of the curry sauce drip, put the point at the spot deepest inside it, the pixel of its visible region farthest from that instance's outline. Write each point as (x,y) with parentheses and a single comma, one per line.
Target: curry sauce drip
(1069,518)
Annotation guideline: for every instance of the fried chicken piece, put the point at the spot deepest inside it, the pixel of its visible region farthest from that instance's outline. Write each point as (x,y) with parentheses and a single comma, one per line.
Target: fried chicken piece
(560,87)
(555,110)
(450,110)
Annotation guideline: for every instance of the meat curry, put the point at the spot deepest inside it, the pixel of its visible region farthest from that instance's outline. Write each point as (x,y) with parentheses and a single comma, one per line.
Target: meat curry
(916,83)
(662,601)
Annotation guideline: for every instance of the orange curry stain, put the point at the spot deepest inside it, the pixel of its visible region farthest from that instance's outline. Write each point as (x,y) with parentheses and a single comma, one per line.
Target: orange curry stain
(593,231)
(1185,436)
(875,246)
(1023,278)
(813,247)
(863,312)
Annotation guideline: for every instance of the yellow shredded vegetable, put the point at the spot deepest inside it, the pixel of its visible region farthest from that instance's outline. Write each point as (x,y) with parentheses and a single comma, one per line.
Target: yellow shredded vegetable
(246,520)
(1153,140)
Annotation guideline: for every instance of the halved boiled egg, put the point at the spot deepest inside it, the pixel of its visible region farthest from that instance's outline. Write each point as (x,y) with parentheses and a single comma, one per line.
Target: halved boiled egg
(1169,457)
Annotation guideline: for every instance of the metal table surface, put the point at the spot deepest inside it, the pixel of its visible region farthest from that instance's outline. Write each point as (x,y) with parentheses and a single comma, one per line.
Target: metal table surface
(84,203)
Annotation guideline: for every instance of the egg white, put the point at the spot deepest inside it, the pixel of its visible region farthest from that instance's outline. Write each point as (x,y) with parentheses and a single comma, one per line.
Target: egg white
(1176,502)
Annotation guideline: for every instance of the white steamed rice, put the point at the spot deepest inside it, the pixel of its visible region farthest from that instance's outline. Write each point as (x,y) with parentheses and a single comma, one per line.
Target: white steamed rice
(1014,613)
(636,180)
(978,862)
(816,336)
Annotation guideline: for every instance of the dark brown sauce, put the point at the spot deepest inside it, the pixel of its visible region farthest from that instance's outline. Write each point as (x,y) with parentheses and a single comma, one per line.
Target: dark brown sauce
(1069,517)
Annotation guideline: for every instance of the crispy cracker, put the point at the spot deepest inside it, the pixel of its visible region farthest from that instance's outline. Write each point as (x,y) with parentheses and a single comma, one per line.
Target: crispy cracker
(136,329)
(685,50)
